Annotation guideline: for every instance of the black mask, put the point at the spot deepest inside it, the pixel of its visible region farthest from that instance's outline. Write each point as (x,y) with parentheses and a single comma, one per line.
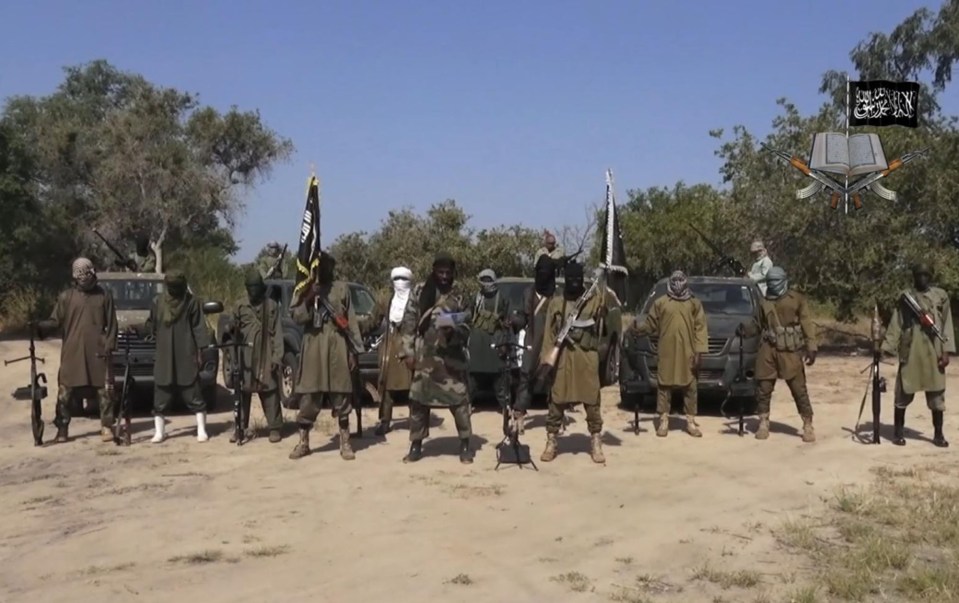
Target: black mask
(573,276)
(143,246)
(921,281)
(327,269)
(545,276)
(256,294)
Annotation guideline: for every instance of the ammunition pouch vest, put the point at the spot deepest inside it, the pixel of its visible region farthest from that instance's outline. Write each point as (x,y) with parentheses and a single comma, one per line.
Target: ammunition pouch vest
(485,320)
(785,339)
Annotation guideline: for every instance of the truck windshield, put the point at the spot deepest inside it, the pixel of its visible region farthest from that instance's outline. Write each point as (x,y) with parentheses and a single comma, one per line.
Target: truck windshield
(132,294)
(717,298)
(362,301)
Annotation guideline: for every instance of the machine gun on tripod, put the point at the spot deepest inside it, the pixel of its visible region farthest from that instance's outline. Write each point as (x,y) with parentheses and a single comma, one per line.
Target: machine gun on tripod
(36,391)
(235,344)
(122,432)
(512,426)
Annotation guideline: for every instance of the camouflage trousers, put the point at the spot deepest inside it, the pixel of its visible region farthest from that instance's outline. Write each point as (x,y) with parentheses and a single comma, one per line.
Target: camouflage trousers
(797,387)
(420,421)
(311,404)
(556,412)
(165,395)
(391,397)
(499,383)
(664,399)
(67,395)
(270,402)
(936,401)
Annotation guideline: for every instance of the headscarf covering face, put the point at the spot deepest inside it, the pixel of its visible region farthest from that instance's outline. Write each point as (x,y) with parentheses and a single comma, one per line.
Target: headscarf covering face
(255,287)
(175,296)
(487,281)
(545,275)
(776,283)
(326,271)
(678,286)
(143,245)
(84,274)
(401,277)
(921,276)
(435,284)
(574,285)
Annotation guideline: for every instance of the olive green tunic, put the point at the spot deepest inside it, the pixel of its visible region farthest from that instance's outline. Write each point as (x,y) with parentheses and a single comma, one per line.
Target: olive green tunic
(178,345)
(787,329)
(394,374)
(919,351)
(324,365)
(490,314)
(680,327)
(577,369)
(89,324)
(260,326)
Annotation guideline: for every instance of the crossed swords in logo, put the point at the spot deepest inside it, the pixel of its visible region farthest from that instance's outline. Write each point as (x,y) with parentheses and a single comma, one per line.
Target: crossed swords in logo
(822,181)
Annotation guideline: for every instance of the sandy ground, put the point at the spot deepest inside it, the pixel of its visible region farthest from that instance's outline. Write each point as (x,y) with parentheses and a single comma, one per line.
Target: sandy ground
(87,521)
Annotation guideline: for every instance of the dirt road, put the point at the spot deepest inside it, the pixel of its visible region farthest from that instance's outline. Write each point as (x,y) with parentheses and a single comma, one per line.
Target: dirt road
(180,521)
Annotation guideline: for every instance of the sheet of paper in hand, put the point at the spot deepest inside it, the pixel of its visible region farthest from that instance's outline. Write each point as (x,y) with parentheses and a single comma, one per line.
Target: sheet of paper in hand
(450,319)
(858,154)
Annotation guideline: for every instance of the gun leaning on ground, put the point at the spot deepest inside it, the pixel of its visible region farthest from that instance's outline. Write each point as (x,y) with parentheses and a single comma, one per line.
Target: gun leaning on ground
(724,259)
(571,321)
(122,433)
(512,426)
(236,375)
(277,264)
(925,319)
(876,383)
(121,259)
(36,391)
(741,378)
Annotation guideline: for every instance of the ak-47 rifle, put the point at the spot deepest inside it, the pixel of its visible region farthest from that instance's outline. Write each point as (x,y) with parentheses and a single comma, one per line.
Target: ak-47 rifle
(724,260)
(512,426)
(925,319)
(741,378)
(572,320)
(324,312)
(876,383)
(277,265)
(121,259)
(121,431)
(36,391)
(236,375)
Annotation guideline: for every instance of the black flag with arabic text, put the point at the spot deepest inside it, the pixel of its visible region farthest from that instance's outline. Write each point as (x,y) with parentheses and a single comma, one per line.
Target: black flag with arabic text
(612,250)
(884,103)
(308,253)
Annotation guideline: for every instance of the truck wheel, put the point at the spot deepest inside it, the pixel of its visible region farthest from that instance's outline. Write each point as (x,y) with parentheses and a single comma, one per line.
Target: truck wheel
(226,368)
(287,379)
(610,369)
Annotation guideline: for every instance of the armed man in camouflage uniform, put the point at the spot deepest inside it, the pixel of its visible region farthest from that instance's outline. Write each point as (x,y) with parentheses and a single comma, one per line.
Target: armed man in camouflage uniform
(87,317)
(490,333)
(176,322)
(260,327)
(267,261)
(787,329)
(923,358)
(395,377)
(435,335)
(678,320)
(326,360)
(576,373)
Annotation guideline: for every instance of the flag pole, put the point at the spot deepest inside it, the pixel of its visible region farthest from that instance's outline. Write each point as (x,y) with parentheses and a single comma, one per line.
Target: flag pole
(845,194)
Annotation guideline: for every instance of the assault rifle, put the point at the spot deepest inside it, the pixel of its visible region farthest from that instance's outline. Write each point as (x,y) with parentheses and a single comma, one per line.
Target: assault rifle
(741,378)
(724,260)
(36,391)
(121,429)
(925,319)
(572,320)
(876,383)
(512,427)
(356,347)
(277,265)
(121,259)
(236,368)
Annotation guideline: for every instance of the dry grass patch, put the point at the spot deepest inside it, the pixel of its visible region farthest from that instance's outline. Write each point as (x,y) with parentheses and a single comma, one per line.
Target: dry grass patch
(99,570)
(203,557)
(574,581)
(461,580)
(268,551)
(727,580)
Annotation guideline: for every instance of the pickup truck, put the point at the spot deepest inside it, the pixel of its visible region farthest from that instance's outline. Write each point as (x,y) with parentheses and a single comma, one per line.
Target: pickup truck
(281,291)
(133,295)
(727,302)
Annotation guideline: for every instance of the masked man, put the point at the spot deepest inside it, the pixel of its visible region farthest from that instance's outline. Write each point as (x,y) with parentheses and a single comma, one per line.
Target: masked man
(530,321)
(435,334)
(490,335)
(575,375)
(761,265)
(326,359)
(923,358)
(176,323)
(787,331)
(394,376)
(143,259)
(678,321)
(259,325)
(86,315)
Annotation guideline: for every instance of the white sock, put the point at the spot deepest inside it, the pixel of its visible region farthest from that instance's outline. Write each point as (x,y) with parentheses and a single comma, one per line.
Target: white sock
(201,435)
(158,426)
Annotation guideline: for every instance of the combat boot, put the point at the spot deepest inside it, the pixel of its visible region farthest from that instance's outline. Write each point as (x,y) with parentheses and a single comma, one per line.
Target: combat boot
(662,430)
(938,439)
(596,450)
(762,432)
(159,427)
(382,428)
(415,453)
(106,434)
(346,450)
(692,428)
(62,434)
(466,453)
(549,453)
(899,425)
(808,433)
(303,447)
(275,436)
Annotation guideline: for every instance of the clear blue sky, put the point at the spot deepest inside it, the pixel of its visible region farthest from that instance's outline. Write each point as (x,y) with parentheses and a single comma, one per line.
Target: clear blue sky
(513,108)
